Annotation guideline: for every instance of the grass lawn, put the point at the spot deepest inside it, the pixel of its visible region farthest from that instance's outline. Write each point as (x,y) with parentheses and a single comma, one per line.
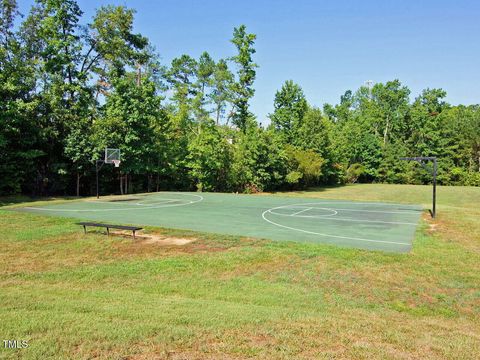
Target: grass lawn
(76,296)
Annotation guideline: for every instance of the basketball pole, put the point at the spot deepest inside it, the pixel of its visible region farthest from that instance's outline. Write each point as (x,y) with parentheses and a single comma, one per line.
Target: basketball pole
(422,160)
(110,158)
(97,168)
(434,187)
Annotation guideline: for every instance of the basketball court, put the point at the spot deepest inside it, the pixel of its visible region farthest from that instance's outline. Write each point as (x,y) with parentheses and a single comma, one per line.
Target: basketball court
(365,225)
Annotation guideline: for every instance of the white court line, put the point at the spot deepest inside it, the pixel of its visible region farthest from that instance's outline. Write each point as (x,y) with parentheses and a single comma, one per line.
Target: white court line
(357,210)
(408,211)
(343,202)
(321,234)
(380,211)
(323,217)
(138,207)
(301,211)
(167,201)
(130,202)
(327,235)
(108,202)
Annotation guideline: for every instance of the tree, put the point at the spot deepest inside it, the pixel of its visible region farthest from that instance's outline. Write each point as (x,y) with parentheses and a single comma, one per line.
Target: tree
(113,47)
(204,73)
(69,89)
(259,161)
(221,88)
(356,142)
(340,113)
(181,76)
(305,167)
(205,70)
(470,131)
(387,108)
(128,124)
(209,158)
(316,133)
(290,107)
(79,146)
(242,88)
(18,131)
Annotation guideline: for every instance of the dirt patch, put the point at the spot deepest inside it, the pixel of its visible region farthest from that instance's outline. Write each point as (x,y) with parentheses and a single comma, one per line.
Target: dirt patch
(433,228)
(433,224)
(167,241)
(156,239)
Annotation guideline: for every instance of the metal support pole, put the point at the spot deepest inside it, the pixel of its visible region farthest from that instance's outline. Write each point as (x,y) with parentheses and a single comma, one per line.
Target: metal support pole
(96,165)
(421,160)
(434,188)
(97,168)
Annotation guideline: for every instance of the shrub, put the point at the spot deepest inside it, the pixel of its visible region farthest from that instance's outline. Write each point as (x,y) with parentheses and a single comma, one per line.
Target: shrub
(354,171)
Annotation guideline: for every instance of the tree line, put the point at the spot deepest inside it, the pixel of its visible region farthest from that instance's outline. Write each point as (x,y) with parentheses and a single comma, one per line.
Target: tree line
(69,89)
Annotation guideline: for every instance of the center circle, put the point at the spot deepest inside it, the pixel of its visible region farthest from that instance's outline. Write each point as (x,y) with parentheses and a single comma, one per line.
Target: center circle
(303,211)
(314,210)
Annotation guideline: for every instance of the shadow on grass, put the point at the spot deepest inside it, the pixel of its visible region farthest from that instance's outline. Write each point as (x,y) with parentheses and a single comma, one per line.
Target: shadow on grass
(311,189)
(23,199)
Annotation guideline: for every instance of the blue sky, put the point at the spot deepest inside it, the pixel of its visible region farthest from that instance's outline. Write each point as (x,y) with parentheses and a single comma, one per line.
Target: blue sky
(325,46)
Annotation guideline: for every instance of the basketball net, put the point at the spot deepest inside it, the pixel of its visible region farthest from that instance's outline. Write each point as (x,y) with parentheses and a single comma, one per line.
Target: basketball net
(116,163)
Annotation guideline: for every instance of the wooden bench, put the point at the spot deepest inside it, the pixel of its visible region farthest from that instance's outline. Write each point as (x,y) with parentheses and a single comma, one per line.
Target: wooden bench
(109,226)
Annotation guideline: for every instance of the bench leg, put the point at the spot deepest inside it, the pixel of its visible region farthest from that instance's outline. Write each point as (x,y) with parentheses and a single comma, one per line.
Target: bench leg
(84,229)
(108,232)
(133,234)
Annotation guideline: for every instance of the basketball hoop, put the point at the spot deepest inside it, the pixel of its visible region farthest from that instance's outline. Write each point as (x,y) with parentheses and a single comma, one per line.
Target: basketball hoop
(112,156)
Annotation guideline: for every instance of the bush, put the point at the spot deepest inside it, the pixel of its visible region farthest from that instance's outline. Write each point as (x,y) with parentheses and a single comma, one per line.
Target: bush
(305,166)
(354,171)
(459,176)
(472,179)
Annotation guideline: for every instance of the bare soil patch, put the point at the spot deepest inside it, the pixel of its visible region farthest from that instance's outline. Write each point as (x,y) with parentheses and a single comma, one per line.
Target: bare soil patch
(156,239)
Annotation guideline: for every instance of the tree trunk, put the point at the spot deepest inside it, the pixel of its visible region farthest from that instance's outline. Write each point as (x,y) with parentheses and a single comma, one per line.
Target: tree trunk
(139,75)
(385,133)
(126,184)
(121,183)
(78,183)
(158,181)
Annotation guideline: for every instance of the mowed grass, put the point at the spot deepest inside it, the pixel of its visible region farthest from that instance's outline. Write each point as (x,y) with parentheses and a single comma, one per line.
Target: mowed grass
(224,297)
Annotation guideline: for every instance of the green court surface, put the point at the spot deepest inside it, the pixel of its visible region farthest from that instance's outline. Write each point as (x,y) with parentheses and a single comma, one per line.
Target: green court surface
(365,225)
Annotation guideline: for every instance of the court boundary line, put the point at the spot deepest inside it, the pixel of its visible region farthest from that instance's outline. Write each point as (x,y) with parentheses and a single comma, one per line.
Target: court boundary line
(322,234)
(357,210)
(330,217)
(138,207)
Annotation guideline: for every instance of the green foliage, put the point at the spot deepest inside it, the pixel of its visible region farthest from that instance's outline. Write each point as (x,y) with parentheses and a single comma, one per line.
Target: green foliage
(69,89)
(127,124)
(290,107)
(304,167)
(19,145)
(115,44)
(221,93)
(209,158)
(258,160)
(243,89)
(181,77)
(354,171)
